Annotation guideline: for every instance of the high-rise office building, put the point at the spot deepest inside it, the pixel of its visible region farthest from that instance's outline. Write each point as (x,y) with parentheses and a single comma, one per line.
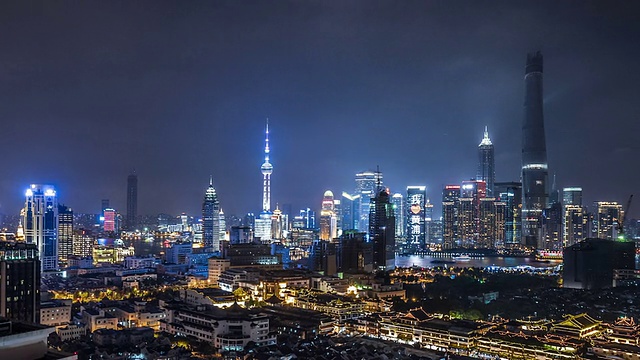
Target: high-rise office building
(471,193)
(249,220)
(399,211)
(277,224)
(574,224)
(382,231)
(323,257)
(354,253)
(491,226)
(415,217)
(222,224)
(328,218)
(552,224)
(263,227)
(110,219)
(572,196)
(211,218)
(132,202)
(592,263)
(350,211)
(574,219)
(20,285)
(83,243)
(510,193)
(450,203)
(535,191)
(428,221)
(240,235)
(65,233)
(486,164)
(366,185)
(606,219)
(41,223)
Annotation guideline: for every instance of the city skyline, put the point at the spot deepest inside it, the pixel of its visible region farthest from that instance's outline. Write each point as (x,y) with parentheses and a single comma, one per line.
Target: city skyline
(441,98)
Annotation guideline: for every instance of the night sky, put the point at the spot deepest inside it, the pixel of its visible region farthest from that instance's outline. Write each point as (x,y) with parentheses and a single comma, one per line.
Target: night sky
(180,90)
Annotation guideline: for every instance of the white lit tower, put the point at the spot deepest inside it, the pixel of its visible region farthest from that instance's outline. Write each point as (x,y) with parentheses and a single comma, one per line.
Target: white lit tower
(267,169)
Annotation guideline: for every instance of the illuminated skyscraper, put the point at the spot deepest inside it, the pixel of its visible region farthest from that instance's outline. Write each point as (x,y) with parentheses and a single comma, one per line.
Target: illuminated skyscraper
(41,223)
(366,183)
(572,196)
(574,224)
(382,231)
(65,233)
(222,224)
(535,192)
(415,217)
(399,211)
(510,193)
(450,203)
(277,224)
(132,202)
(574,216)
(471,193)
(211,218)
(350,211)
(109,224)
(491,230)
(83,243)
(328,218)
(607,216)
(20,286)
(486,164)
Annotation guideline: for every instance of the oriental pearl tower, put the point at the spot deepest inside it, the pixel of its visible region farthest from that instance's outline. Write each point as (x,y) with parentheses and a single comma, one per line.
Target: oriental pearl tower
(266,169)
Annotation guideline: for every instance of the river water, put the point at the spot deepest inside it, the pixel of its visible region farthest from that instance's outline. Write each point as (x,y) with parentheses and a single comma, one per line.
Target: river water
(427,261)
(143,248)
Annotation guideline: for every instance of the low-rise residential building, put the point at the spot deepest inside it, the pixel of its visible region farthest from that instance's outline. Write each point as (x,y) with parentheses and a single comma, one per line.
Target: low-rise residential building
(135,262)
(387,291)
(276,282)
(95,319)
(230,279)
(55,313)
(228,329)
(304,324)
(207,296)
(216,266)
(133,336)
(71,332)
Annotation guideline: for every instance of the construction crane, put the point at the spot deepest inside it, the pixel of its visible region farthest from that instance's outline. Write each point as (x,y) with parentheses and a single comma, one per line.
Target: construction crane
(621,236)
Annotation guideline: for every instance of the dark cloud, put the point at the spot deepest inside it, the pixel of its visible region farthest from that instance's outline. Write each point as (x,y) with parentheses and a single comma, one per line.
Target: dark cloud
(180,90)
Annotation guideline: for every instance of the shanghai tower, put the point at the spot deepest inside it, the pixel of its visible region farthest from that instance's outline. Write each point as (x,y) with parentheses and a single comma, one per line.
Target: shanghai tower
(535,193)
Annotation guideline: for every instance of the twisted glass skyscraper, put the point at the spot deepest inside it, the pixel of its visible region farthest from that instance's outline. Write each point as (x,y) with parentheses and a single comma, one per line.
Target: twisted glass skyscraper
(535,192)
